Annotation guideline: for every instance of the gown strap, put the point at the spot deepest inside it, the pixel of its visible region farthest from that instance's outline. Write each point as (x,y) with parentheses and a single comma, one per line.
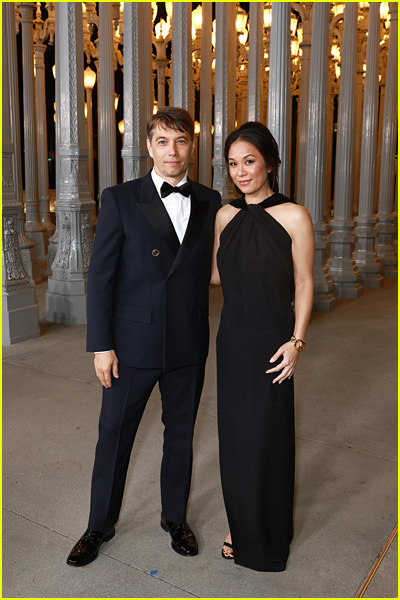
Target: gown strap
(273,200)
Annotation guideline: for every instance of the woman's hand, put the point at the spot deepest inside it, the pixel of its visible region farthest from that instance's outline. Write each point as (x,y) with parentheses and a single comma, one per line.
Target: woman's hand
(290,356)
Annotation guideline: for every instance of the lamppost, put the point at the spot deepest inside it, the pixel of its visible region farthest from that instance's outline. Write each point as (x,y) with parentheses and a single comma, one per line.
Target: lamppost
(197,19)
(89,83)
(160,40)
(42,31)
(242,62)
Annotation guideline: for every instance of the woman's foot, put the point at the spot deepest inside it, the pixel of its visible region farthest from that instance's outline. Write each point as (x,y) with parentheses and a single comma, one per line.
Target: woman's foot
(227,548)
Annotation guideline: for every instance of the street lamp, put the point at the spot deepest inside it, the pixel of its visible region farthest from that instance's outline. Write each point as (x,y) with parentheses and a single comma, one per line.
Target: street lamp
(89,81)
(160,41)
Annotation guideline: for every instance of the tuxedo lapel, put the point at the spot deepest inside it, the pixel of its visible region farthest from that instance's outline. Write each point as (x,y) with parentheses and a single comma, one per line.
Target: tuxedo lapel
(198,211)
(153,209)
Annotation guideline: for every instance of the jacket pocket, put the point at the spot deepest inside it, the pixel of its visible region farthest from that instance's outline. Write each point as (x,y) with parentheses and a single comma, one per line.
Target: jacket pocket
(141,314)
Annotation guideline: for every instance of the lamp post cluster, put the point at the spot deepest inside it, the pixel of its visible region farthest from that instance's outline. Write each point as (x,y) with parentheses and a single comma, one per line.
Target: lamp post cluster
(263,65)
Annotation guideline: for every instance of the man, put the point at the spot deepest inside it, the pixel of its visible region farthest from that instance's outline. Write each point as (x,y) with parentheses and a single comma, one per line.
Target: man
(148,323)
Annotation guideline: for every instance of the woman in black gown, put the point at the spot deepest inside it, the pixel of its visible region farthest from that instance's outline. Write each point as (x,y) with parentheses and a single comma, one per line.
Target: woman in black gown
(264,249)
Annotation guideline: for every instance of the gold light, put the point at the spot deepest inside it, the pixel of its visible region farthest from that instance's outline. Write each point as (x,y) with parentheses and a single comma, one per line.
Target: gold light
(243,37)
(197,18)
(89,78)
(293,23)
(116,99)
(294,47)
(85,110)
(337,71)
(54,71)
(267,17)
(196,127)
(335,51)
(241,20)
(168,8)
(162,29)
(384,10)
(337,9)
(300,33)
(121,128)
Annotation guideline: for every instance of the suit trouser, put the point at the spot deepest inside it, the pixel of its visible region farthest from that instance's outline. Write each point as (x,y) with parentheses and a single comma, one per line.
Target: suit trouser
(122,409)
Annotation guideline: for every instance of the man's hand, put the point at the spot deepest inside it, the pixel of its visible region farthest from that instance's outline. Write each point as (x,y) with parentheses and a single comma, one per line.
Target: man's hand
(106,363)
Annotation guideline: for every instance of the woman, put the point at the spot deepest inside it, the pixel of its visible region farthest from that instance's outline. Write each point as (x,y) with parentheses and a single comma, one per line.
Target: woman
(263,257)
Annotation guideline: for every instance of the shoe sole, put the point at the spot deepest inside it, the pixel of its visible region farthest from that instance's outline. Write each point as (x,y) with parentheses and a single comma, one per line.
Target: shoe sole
(173,545)
(92,558)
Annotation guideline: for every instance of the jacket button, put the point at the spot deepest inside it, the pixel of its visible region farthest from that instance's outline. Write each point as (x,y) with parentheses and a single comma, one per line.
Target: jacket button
(155,252)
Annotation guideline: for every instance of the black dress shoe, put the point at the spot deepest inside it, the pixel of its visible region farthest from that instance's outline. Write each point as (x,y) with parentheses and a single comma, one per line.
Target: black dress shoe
(183,539)
(87,548)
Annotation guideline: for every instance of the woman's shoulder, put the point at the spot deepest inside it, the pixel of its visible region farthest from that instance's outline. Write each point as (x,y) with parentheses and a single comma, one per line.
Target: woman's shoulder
(296,211)
(225,214)
(226,211)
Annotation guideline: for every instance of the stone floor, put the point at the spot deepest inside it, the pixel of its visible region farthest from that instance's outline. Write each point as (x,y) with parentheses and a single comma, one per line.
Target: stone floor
(345,510)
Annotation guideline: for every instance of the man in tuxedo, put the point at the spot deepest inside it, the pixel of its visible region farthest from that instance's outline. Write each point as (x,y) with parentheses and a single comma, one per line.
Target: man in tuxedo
(147,322)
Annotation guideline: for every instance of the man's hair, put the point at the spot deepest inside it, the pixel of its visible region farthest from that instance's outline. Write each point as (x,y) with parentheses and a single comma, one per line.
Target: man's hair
(171,117)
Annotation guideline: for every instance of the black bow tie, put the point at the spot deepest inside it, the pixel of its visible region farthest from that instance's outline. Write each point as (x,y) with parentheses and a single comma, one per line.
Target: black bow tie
(167,189)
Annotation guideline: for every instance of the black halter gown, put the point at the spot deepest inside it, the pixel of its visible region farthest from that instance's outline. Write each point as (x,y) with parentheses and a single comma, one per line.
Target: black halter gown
(255,416)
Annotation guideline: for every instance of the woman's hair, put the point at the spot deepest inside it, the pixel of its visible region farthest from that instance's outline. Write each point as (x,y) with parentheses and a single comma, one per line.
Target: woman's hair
(171,117)
(258,135)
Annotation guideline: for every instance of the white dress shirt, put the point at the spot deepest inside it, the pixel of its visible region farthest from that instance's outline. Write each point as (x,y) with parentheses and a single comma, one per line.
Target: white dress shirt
(177,205)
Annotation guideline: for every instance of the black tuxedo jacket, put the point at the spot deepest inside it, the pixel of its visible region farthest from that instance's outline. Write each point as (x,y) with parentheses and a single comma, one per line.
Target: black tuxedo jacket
(147,293)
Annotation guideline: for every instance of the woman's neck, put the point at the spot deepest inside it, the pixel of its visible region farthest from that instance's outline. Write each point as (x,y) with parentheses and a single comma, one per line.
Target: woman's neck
(259,196)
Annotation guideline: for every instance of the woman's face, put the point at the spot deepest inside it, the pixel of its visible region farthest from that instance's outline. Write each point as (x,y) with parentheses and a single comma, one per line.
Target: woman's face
(247,170)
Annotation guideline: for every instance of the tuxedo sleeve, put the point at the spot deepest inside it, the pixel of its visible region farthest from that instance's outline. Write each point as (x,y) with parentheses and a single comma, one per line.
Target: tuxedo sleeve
(103,273)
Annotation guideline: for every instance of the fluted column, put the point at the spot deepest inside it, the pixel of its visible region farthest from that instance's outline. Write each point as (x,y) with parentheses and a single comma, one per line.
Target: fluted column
(20,310)
(41,124)
(365,256)
(224,96)
(25,244)
(315,157)
(329,151)
(205,137)
(386,217)
(382,89)
(255,61)
(66,296)
(341,265)
(182,78)
(107,148)
(137,88)
(279,87)
(361,45)
(55,238)
(36,231)
(306,11)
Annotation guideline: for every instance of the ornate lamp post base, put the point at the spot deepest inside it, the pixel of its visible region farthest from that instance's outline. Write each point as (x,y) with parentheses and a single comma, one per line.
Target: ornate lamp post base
(324,299)
(342,268)
(66,302)
(364,255)
(384,245)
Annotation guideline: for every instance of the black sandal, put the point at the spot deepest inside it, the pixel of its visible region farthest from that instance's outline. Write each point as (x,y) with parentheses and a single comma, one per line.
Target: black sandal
(228,545)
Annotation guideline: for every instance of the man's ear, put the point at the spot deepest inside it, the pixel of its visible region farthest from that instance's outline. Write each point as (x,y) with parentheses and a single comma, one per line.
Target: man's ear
(193,147)
(149,150)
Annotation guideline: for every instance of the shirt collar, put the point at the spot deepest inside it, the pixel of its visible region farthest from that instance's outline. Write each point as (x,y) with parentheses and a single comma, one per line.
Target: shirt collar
(158,181)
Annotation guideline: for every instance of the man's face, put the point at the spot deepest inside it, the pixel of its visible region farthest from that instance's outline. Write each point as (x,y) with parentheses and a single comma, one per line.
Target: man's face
(170,151)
